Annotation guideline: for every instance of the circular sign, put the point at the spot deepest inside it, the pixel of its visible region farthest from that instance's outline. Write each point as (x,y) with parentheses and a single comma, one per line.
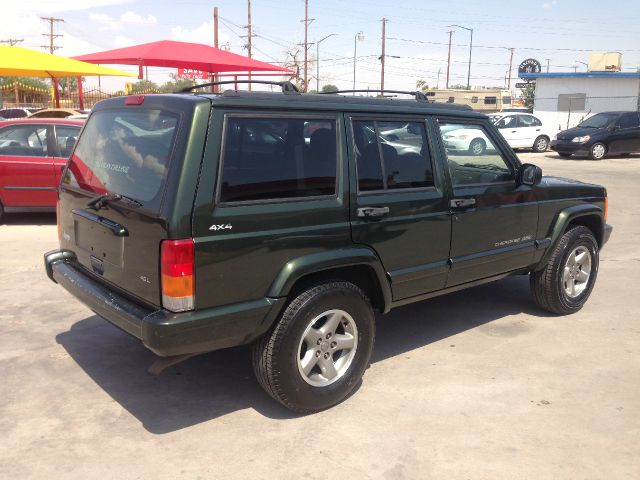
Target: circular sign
(530,65)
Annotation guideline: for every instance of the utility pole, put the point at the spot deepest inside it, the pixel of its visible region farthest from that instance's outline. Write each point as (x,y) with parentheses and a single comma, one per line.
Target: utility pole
(438,81)
(214,77)
(12,41)
(306,21)
(306,42)
(446,85)
(382,57)
(548,60)
(249,35)
(52,48)
(510,67)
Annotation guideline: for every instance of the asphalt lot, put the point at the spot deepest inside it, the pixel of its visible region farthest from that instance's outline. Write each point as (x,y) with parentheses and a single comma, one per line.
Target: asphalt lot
(478,384)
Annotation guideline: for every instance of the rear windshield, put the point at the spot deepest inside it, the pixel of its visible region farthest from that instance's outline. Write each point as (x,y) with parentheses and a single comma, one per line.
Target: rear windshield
(125,152)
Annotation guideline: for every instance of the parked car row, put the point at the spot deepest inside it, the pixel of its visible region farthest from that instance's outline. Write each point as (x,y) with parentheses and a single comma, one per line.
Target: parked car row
(33,153)
(13,113)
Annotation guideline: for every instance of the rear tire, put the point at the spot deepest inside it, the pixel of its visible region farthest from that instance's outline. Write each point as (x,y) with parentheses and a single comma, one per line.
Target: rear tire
(565,283)
(541,144)
(477,146)
(1,212)
(319,349)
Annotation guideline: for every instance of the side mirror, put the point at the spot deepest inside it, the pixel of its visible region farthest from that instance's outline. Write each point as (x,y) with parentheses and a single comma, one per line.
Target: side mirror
(530,174)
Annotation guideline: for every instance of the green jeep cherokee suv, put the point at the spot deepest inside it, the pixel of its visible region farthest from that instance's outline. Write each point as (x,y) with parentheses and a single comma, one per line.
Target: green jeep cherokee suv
(196,222)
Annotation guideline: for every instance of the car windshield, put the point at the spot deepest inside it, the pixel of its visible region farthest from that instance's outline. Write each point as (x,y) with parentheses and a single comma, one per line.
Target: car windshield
(599,120)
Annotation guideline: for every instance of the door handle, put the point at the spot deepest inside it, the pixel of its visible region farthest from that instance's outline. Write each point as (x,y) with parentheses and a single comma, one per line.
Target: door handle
(537,129)
(462,203)
(372,212)
(514,131)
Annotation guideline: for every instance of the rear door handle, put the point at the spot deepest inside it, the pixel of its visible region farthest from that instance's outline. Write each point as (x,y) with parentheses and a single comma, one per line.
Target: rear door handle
(462,203)
(372,212)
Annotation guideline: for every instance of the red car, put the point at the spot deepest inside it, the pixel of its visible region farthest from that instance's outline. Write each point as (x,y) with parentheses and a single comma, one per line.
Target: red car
(32,156)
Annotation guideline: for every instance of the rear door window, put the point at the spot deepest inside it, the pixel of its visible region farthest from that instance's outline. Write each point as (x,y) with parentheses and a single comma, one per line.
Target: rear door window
(125,152)
(278,158)
(392,155)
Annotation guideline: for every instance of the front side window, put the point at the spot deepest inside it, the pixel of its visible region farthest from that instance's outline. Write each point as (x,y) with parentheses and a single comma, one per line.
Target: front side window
(392,155)
(24,141)
(278,158)
(507,122)
(472,156)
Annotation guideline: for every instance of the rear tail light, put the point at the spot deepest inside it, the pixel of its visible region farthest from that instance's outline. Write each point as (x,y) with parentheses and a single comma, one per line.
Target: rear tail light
(606,208)
(176,268)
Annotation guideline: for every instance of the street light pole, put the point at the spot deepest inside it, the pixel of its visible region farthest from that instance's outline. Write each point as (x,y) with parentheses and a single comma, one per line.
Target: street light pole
(470,30)
(359,37)
(318,59)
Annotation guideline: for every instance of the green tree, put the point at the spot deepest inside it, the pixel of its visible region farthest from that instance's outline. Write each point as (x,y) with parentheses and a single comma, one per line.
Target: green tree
(141,85)
(329,88)
(529,94)
(422,85)
(176,84)
(28,81)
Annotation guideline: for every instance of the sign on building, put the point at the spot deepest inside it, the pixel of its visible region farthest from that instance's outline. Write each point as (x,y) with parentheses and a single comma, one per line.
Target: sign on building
(192,74)
(530,65)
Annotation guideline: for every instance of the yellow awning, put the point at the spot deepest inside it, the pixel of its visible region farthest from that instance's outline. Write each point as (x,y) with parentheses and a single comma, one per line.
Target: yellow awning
(22,62)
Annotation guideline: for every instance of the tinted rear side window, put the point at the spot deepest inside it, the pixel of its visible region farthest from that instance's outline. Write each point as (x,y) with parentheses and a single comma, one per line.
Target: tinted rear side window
(125,152)
(406,162)
(278,158)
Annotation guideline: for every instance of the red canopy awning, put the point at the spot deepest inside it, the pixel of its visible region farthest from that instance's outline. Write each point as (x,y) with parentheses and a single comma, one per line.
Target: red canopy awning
(169,53)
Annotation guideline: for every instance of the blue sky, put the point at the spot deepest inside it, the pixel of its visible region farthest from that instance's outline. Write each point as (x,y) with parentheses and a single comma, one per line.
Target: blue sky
(562,31)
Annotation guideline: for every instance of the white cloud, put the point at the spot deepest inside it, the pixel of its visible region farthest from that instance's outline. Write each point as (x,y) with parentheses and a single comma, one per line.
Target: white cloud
(131,17)
(202,34)
(107,22)
(549,5)
(122,41)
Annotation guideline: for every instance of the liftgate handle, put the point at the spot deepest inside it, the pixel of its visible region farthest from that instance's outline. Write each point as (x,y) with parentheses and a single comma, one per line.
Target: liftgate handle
(367,212)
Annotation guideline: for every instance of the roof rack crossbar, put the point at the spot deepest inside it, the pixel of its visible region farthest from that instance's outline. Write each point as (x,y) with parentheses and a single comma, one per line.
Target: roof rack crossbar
(287,87)
(420,96)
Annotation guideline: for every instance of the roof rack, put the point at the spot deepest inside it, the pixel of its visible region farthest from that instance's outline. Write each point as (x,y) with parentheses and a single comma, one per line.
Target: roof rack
(287,87)
(421,97)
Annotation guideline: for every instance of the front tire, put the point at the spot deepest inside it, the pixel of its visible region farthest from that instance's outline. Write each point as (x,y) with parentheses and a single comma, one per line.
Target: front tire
(597,151)
(565,283)
(319,349)
(541,144)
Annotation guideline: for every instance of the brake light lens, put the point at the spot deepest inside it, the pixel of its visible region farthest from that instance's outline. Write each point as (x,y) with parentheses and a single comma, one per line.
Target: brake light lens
(134,100)
(177,272)
(606,208)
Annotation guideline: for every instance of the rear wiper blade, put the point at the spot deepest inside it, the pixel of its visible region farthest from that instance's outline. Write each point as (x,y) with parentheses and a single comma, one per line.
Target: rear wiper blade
(103,200)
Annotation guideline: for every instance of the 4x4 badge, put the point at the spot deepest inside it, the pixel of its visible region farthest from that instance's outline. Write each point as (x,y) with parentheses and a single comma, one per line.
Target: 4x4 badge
(226,226)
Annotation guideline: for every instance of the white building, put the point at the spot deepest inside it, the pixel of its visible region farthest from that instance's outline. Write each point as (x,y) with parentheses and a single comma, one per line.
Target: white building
(564,99)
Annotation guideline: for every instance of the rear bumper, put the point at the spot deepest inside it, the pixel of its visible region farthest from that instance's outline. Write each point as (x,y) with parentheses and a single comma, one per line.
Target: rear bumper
(606,234)
(163,332)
